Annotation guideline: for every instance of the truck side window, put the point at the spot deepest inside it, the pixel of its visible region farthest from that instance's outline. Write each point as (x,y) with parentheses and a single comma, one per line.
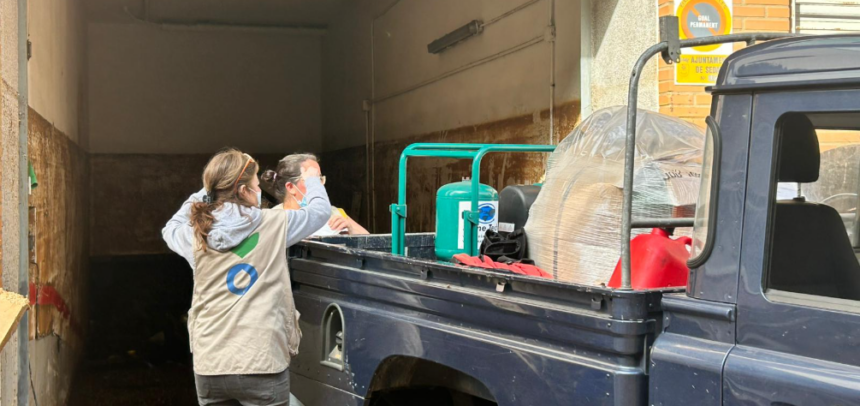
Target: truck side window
(814,222)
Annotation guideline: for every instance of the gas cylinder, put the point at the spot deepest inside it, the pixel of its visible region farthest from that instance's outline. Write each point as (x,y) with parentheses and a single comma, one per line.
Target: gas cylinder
(451,201)
(656,261)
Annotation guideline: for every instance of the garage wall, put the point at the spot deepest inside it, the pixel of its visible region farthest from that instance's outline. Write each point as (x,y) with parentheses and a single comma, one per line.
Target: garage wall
(59,205)
(133,196)
(158,91)
(162,101)
(9,185)
(56,65)
(494,87)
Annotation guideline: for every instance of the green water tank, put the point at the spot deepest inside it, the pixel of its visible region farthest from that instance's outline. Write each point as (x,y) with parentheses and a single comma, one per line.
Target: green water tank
(451,201)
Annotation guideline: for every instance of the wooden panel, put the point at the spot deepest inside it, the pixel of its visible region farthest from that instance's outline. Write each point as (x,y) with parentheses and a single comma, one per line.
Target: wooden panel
(12,308)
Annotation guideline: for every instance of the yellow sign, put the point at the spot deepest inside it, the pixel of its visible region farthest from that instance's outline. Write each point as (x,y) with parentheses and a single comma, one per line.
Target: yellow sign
(697,19)
(698,69)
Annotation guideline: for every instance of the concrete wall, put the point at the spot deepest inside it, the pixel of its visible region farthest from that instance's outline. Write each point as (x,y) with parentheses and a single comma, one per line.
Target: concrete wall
(620,31)
(493,87)
(58,207)
(156,91)
(162,101)
(135,194)
(56,67)
(346,74)
(9,183)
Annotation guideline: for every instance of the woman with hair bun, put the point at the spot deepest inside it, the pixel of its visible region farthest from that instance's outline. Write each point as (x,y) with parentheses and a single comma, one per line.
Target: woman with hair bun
(243,324)
(291,191)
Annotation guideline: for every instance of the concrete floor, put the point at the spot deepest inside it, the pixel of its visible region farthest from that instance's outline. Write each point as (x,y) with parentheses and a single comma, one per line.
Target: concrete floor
(133,384)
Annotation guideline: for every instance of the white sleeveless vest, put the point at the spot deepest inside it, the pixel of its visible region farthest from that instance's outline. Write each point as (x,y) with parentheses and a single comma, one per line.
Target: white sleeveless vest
(243,318)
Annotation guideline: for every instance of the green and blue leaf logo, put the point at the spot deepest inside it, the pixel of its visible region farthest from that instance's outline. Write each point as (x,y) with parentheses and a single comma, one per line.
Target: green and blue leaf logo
(242,250)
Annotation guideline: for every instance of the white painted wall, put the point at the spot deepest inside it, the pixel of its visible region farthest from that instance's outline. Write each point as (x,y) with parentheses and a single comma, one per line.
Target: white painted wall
(56,30)
(156,91)
(512,85)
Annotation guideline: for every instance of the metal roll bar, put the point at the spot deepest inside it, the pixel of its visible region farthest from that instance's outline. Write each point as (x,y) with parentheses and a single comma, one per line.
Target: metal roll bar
(476,153)
(670,48)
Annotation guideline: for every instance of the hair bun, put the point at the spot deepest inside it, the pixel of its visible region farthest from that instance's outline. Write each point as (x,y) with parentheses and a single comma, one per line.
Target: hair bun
(269,176)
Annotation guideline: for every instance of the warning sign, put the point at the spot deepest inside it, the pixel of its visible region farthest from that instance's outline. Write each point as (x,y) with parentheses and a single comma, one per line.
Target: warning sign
(697,19)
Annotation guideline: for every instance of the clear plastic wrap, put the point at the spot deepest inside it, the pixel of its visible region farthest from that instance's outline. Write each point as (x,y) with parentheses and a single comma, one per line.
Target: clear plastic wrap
(574,225)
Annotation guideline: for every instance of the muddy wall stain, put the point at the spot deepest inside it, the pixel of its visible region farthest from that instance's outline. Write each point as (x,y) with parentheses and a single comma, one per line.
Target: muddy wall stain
(345,168)
(59,211)
(134,195)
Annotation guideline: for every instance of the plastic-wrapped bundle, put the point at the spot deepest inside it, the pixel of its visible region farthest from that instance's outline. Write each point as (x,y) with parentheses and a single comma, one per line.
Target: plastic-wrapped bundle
(574,225)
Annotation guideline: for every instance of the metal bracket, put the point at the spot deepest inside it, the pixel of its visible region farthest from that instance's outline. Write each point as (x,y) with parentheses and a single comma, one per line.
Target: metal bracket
(549,33)
(473,217)
(399,210)
(596,302)
(670,35)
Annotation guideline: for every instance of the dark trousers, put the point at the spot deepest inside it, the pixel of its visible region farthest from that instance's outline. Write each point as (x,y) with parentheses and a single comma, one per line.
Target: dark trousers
(244,390)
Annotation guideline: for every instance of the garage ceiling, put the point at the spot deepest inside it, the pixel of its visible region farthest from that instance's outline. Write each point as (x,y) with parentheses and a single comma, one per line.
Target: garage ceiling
(250,12)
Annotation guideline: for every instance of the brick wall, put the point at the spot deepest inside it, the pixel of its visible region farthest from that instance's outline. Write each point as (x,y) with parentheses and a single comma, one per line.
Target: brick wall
(692,103)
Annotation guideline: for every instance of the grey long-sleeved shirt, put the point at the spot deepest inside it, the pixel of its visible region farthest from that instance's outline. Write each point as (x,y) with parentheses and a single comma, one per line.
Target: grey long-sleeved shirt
(234,223)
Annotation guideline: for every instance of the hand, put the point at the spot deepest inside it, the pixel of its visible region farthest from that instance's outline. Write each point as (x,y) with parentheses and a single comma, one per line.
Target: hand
(338,223)
(310,169)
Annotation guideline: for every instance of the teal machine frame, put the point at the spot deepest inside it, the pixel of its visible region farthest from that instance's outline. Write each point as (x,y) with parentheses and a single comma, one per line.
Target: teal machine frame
(476,153)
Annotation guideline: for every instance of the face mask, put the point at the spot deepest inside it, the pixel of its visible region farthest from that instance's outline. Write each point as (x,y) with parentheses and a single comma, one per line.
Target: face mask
(304,202)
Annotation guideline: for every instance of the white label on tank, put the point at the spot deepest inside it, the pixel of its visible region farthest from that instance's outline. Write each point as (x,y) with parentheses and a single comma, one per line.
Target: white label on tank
(506,227)
(488,210)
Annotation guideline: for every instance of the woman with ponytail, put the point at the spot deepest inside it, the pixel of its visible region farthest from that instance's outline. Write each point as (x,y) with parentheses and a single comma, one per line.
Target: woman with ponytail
(243,324)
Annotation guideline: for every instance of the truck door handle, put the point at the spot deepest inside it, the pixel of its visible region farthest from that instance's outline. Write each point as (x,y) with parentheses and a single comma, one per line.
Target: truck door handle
(781,404)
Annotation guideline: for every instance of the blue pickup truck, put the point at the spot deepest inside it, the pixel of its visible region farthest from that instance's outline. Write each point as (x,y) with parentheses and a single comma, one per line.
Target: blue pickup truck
(770,316)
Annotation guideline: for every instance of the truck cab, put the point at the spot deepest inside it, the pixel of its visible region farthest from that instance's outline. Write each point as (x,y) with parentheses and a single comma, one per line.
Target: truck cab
(770,315)
(772,310)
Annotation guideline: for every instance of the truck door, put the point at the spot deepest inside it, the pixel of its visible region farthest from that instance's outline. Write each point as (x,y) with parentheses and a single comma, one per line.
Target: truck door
(798,319)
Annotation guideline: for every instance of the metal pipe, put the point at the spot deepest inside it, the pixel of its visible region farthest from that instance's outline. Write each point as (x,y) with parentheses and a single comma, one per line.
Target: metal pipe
(629,155)
(509,12)
(373,129)
(299,29)
(23,207)
(367,201)
(663,222)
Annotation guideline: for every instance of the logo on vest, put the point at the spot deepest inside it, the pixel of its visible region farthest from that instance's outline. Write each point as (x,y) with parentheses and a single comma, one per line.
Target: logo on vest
(243,249)
(237,270)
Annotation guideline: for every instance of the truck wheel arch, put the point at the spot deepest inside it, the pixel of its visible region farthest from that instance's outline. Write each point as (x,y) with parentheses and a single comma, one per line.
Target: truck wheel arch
(398,373)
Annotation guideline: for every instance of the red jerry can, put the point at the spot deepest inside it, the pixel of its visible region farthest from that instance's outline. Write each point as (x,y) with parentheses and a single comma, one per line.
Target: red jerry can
(657,261)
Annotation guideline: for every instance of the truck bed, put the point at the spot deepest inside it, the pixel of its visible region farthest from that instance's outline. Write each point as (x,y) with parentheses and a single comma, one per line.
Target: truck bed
(508,337)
